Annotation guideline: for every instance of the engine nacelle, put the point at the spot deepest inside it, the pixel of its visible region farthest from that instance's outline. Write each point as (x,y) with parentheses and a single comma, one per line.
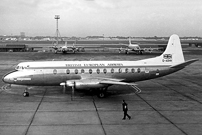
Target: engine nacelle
(85,84)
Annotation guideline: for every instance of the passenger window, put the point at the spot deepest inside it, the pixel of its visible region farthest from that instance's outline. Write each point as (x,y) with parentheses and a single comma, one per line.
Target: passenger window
(90,71)
(132,70)
(54,71)
(67,71)
(76,71)
(120,70)
(105,71)
(112,70)
(82,71)
(98,71)
(138,70)
(126,70)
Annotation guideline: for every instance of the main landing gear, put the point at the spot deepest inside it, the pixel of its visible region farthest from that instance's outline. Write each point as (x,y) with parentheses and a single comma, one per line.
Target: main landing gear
(25,93)
(102,93)
(127,51)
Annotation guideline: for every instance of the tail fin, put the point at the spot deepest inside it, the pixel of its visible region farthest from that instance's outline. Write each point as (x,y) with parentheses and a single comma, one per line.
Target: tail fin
(173,53)
(172,56)
(129,40)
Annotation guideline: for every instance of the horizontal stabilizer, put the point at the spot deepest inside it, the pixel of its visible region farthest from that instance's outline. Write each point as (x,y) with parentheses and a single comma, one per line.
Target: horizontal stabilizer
(184,64)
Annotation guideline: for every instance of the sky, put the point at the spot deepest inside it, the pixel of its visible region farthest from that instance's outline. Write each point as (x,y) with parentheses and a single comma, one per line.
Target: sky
(101,17)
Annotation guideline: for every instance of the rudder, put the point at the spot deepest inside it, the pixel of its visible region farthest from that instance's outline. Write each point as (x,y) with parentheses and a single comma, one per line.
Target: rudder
(173,53)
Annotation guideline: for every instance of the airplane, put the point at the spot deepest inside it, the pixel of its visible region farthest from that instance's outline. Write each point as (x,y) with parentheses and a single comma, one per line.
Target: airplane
(136,48)
(67,48)
(99,75)
(131,47)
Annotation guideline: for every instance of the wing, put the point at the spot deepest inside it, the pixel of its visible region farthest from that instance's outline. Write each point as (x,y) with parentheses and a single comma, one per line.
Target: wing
(110,82)
(98,81)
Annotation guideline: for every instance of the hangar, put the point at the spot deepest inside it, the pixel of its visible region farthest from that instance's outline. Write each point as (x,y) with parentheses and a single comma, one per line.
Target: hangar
(14,48)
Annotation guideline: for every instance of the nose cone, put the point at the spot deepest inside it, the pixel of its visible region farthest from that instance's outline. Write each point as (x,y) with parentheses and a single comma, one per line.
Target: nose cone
(8,78)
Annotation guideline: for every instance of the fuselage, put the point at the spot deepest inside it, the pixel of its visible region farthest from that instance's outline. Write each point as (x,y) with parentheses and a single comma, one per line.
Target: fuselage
(134,46)
(55,72)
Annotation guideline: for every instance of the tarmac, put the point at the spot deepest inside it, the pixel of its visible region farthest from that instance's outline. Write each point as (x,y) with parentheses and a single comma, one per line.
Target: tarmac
(171,105)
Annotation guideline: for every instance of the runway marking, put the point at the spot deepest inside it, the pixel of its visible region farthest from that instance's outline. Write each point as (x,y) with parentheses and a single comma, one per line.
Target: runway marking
(48,96)
(118,95)
(161,114)
(32,119)
(181,93)
(99,116)
(5,89)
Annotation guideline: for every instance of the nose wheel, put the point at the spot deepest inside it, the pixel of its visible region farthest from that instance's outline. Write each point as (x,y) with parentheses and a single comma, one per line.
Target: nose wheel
(25,93)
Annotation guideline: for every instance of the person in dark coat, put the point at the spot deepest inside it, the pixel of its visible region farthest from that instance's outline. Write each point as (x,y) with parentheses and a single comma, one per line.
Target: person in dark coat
(125,110)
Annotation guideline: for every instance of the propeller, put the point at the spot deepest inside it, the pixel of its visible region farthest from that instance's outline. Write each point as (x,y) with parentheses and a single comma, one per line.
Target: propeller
(73,88)
(71,84)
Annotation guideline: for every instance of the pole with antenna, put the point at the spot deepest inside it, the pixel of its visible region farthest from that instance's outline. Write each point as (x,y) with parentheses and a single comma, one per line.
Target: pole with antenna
(57,31)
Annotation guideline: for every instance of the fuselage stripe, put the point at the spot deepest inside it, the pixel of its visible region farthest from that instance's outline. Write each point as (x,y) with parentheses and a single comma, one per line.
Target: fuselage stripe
(93,67)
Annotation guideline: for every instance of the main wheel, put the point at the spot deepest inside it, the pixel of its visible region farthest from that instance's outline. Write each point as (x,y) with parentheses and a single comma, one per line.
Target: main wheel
(101,94)
(126,52)
(26,94)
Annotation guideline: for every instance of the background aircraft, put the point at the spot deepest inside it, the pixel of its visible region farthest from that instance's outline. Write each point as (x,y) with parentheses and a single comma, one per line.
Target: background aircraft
(131,47)
(67,48)
(99,75)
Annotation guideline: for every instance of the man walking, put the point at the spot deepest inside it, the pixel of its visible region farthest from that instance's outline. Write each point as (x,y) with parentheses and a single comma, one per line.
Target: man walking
(125,110)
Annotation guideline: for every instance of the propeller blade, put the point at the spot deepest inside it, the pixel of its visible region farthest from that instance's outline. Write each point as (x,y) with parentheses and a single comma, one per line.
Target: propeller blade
(73,88)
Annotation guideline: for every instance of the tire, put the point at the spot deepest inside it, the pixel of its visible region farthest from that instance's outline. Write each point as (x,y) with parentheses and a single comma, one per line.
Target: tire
(101,94)
(26,94)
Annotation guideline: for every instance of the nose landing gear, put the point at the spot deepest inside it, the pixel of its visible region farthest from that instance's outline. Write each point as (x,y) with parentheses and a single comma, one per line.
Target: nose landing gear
(25,93)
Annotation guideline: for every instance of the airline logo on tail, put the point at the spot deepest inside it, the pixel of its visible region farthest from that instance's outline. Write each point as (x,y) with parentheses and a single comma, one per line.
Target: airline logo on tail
(167,58)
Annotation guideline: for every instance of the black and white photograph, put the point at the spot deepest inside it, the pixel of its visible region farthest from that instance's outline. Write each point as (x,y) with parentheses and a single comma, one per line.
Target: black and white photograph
(100,67)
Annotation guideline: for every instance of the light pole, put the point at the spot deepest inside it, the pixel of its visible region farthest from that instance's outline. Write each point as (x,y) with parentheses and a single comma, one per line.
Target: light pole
(57,31)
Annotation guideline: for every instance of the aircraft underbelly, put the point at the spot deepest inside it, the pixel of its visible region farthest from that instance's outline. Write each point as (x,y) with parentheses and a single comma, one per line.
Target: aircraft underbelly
(56,79)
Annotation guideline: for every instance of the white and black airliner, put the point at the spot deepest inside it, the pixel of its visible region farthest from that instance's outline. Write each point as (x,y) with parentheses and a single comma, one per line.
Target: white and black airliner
(99,75)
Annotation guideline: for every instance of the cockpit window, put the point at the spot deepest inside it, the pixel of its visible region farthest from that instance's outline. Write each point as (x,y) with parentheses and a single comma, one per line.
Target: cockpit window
(17,68)
(20,68)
